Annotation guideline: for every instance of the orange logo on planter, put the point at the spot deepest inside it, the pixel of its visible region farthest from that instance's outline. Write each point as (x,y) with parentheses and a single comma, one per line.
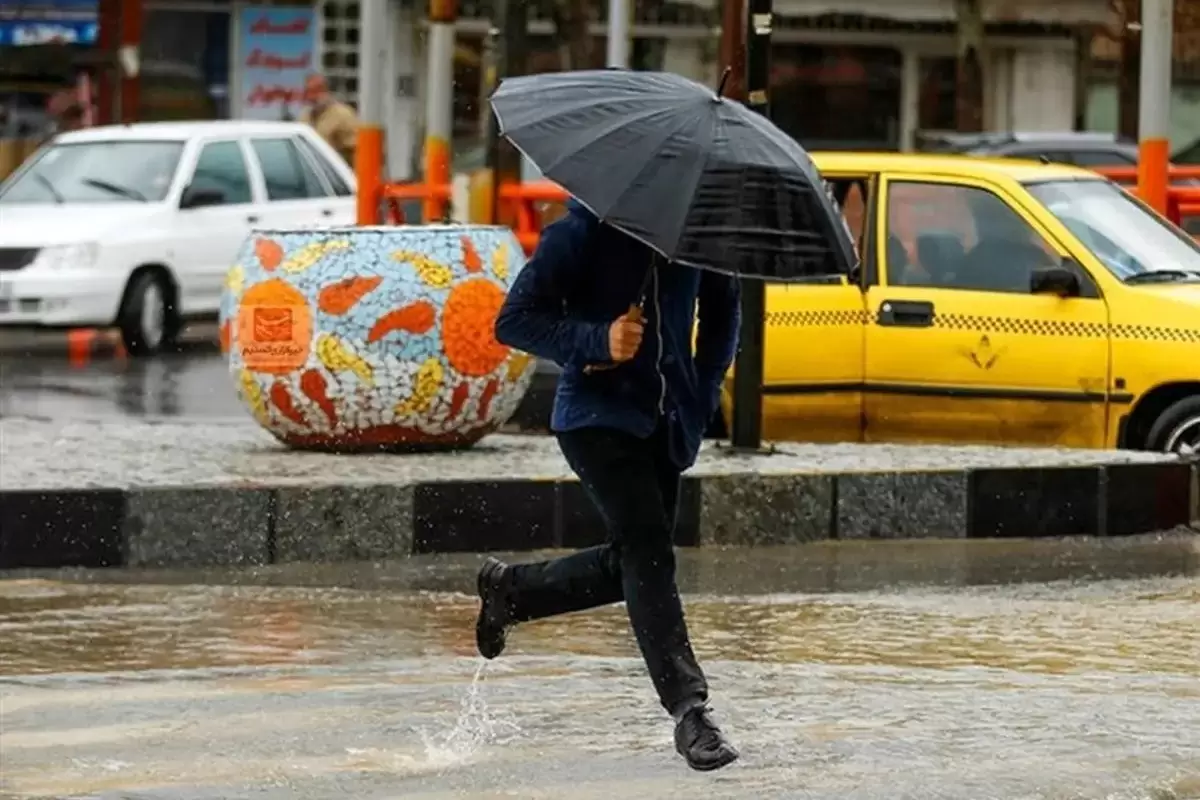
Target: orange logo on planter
(275,327)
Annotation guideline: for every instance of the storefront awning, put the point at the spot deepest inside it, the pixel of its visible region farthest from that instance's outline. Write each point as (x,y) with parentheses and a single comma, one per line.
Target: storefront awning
(1060,12)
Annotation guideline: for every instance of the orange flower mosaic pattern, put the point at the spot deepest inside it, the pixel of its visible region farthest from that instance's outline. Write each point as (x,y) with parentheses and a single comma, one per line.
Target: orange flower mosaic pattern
(374,338)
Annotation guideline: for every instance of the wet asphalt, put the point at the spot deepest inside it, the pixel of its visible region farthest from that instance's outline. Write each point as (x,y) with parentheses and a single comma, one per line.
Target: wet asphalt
(974,670)
(39,379)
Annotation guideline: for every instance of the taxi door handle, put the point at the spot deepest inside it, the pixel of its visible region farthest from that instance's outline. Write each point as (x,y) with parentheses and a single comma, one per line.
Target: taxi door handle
(905,313)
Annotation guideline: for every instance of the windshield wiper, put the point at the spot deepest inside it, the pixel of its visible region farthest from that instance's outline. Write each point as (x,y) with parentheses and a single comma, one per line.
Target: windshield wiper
(124,191)
(49,187)
(1164,276)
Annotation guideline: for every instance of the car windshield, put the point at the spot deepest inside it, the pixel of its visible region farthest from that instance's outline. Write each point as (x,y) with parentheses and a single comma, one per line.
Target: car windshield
(96,172)
(1133,243)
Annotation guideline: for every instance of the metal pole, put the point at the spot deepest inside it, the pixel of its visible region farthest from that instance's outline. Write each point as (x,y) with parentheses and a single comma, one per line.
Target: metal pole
(439,99)
(618,33)
(512,55)
(732,48)
(748,369)
(129,58)
(372,83)
(1154,104)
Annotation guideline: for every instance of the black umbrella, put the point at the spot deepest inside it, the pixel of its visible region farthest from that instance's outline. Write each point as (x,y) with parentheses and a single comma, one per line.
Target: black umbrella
(700,178)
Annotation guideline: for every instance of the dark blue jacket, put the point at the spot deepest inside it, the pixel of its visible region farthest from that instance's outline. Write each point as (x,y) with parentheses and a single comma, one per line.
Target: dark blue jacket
(583,276)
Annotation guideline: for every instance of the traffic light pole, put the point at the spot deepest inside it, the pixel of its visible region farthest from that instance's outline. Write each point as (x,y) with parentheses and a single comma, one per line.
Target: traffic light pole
(746,430)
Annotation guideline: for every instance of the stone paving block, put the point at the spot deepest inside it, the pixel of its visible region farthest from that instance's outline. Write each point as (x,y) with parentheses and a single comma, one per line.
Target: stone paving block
(348,523)
(932,504)
(755,510)
(902,505)
(62,529)
(1195,512)
(198,527)
(1050,501)
(866,506)
(1146,497)
(470,516)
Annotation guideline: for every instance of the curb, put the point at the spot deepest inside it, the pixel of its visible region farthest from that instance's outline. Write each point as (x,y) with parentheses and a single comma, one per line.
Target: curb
(254,525)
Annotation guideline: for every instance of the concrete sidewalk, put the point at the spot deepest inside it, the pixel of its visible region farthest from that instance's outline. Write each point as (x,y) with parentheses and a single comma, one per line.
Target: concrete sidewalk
(205,494)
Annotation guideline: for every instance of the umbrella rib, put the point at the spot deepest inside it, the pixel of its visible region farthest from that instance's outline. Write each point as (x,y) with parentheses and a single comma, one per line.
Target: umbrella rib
(616,125)
(680,125)
(716,130)
(699,174)
(574,108)
(785,146)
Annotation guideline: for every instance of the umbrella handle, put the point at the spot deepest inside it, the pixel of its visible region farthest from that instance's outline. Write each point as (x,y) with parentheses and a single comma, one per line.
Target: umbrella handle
(635,311)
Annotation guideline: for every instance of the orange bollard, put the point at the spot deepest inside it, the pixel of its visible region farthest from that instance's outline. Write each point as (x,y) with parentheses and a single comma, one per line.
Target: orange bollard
(368,171)
(79,345)
(1153,164)
(437,173)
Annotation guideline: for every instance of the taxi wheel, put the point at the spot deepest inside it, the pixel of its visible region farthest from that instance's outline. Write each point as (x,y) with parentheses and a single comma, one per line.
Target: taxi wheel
(148,318)
(1177,430)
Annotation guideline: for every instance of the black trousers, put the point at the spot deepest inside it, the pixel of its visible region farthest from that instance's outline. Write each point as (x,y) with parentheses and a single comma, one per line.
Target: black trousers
(636,489)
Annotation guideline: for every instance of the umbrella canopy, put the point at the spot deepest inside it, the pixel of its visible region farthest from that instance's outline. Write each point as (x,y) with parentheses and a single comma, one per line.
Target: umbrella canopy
(700,178)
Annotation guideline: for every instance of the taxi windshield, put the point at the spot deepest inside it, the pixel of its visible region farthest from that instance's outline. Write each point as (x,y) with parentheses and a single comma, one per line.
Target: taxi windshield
(1127,238)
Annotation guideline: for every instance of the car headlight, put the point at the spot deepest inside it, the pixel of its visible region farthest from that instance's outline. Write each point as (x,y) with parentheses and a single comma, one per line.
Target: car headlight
(67,256)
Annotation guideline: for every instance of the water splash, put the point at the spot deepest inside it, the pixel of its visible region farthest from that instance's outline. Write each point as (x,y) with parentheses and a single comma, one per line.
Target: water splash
(477,726)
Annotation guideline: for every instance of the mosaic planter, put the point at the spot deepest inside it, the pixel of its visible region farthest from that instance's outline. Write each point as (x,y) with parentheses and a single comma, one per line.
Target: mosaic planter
(374,338)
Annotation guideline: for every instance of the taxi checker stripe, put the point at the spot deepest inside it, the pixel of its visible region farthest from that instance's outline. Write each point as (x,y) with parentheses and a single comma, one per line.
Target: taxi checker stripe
(1155,333)
(834,318)
(817,318)
(1035,327)
(1046,327)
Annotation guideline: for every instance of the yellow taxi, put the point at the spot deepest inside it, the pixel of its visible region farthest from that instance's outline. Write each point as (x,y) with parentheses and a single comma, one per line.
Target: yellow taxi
(997,301)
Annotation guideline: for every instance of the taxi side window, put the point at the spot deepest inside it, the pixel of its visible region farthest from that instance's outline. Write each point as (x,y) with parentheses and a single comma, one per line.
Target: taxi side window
(959,237)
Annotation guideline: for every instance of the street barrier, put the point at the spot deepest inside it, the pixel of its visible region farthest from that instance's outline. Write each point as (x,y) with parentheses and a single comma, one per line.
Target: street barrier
(1183,201)
(526,201)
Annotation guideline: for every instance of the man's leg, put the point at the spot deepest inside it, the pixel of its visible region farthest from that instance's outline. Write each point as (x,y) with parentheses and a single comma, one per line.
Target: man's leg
(635,489)
(586,579)
(697,737)
(622,475)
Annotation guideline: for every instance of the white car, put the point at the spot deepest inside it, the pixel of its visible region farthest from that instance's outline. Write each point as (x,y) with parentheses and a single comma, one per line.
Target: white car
(137,225)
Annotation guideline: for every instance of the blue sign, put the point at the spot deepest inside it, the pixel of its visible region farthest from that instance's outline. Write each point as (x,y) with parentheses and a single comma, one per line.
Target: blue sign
(47,31)
(38,8)
(277,54)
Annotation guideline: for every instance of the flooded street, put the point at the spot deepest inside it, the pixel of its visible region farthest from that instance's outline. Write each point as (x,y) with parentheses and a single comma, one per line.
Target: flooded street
(958,670)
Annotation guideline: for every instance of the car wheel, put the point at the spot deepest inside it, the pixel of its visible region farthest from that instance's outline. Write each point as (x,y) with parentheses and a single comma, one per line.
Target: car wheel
(1177,430)
(147,318)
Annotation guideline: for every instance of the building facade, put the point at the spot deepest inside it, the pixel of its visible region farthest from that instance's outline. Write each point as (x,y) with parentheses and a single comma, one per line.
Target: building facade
(846,74)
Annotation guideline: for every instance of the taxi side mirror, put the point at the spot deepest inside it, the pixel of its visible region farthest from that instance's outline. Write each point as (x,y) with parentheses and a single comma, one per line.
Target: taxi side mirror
(1060,280)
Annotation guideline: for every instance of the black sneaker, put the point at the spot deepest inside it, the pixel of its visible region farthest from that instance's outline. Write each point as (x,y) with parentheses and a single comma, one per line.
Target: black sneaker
(701,743)
(493,621)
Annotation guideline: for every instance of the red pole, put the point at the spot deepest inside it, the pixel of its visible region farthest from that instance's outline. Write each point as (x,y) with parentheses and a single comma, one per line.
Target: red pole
(368,169)
(132,15)
(108,18)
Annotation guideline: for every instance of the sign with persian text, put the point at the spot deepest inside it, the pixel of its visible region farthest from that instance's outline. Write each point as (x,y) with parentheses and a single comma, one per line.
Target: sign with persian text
(278,51)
